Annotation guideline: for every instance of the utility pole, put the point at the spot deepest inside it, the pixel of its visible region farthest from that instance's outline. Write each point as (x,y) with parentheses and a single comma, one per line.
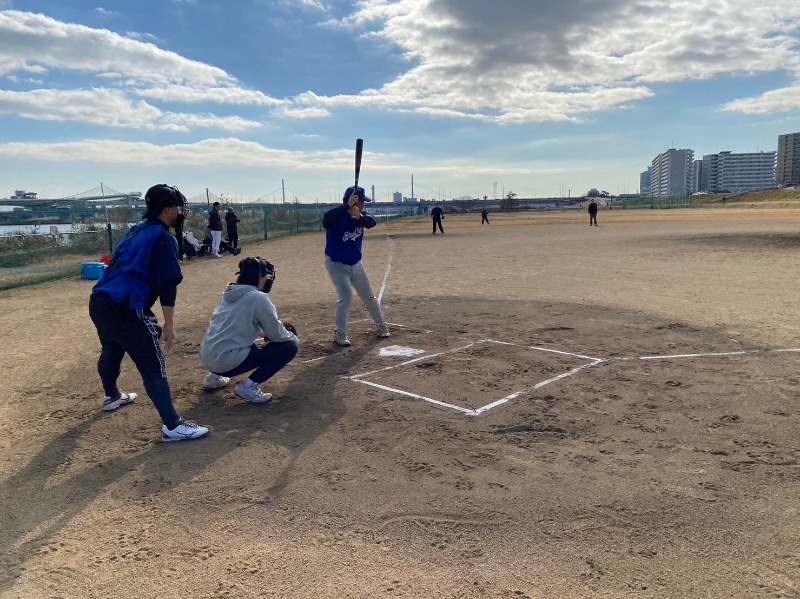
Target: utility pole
(283,193)
(105,206)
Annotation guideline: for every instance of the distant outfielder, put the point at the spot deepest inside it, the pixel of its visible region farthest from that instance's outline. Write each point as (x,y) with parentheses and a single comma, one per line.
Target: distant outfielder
(437,214)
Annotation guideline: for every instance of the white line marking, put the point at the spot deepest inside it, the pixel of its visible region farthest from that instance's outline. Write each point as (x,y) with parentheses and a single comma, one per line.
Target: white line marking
(355,377)
(388,267)
(516,394)
(728,353)
(415,396)
(564,353)
(315,359)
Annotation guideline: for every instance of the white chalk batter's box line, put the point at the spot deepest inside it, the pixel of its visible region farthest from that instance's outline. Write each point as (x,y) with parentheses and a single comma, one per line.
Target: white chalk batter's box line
(590,361)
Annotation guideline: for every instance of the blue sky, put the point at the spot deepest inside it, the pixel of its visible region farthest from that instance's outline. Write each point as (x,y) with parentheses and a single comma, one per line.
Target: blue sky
(537,97)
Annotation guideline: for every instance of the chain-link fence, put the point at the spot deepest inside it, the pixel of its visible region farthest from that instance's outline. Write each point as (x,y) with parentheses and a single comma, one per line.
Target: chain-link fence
(32,258)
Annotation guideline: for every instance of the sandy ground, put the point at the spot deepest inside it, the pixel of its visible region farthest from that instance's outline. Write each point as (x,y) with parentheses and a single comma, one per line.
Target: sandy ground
(598,412)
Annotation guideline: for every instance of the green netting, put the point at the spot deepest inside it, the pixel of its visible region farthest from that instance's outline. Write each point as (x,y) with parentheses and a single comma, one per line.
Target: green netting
(28,259)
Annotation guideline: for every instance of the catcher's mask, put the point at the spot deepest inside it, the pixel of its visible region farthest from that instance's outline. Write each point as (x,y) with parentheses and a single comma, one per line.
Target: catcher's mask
(252,269)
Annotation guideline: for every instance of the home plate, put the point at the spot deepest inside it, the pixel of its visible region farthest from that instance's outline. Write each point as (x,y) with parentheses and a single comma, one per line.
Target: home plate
(399,350)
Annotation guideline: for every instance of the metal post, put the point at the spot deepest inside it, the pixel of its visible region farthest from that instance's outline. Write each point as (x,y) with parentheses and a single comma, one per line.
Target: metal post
(105,206)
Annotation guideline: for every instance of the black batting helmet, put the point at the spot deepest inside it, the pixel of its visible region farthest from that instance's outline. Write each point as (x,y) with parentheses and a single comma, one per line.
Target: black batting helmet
(162,196)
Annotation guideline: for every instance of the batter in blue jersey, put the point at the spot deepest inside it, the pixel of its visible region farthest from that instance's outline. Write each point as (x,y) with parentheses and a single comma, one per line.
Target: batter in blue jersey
(344,234)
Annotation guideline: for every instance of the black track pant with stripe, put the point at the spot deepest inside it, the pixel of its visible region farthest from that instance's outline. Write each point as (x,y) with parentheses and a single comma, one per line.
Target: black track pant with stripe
(134,332)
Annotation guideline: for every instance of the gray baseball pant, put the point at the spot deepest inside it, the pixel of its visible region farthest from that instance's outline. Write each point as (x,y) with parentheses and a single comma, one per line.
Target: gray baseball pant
(345,278)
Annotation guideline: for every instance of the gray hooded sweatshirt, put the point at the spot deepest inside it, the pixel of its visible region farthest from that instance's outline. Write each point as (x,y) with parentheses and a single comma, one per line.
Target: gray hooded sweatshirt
(243,314)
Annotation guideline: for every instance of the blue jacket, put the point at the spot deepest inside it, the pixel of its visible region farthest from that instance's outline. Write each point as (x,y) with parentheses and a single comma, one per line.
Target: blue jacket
(343,234)
(145,266)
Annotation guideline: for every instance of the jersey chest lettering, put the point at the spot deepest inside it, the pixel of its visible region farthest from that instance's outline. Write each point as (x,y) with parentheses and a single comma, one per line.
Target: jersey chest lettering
(353,235)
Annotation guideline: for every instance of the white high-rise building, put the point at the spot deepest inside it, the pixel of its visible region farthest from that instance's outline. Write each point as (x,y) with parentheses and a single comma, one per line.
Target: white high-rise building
(672,173)
(728,172)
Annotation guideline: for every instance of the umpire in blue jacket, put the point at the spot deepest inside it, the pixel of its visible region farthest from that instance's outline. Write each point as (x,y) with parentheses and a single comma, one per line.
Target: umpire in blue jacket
(144,267)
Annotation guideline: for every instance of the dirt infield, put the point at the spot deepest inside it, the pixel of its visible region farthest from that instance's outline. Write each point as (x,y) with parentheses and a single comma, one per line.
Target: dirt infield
(597,412)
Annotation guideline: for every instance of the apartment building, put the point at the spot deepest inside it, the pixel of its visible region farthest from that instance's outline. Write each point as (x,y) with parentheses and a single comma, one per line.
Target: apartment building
(787,170)
(729,172)
(672,173)
(644,181)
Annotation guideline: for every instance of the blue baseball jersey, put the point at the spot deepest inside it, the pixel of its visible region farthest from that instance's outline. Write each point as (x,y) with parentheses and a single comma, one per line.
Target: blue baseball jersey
(344,234)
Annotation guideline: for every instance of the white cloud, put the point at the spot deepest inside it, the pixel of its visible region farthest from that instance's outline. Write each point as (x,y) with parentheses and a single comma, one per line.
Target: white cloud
(218,94)
(313,4)
(521,61)
(104,12)
(108,107)
(304,113)
(34,42)
(777,100)
(235,152)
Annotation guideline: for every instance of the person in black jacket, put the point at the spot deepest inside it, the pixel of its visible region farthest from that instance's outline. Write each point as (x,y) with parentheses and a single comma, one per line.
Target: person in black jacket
(593,213)
(215,224)
(233,232)
(485,216)
(437,215)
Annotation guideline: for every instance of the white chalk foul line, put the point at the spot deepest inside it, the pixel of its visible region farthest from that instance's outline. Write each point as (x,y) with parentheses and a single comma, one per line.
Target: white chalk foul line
(712,354)
(416,396)
(388,267)
(516,394)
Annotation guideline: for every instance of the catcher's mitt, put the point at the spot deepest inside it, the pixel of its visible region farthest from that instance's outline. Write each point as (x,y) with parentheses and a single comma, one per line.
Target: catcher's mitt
(290,327)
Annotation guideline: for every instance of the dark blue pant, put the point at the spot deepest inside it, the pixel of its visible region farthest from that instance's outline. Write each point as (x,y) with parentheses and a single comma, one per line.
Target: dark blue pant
(136,333)
(266,360)
(233,237)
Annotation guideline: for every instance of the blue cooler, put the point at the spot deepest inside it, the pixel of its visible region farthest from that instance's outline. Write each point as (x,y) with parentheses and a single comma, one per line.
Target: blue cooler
(92,270)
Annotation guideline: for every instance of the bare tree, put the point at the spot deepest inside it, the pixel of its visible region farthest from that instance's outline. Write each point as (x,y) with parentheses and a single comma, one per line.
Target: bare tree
(509,202)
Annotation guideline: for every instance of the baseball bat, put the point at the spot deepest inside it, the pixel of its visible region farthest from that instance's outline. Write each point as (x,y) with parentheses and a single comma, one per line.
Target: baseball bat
(359,151)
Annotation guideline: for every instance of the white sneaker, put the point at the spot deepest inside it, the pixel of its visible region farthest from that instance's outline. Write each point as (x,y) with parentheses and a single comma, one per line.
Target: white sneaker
(340,338)
(383,330)
(218,255)
(215,381)
(252,394)
(110,404)
(185,430)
